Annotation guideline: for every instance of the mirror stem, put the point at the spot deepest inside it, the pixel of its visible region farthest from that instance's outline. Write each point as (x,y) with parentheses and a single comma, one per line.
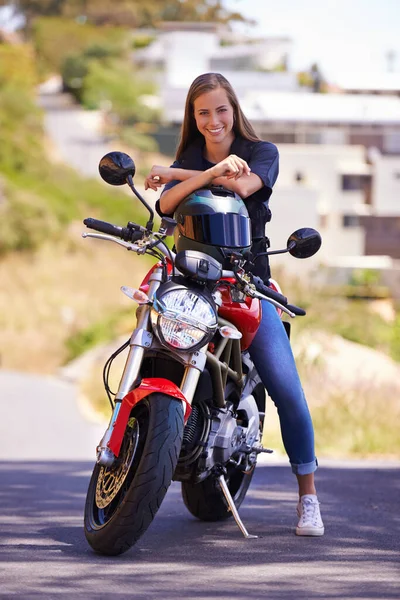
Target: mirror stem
(277,251)
(271,252)
(150,222)
(288,249)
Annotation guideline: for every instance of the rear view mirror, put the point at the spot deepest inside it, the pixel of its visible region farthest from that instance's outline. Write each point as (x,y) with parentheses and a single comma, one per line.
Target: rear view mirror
(304,242)
(116,167)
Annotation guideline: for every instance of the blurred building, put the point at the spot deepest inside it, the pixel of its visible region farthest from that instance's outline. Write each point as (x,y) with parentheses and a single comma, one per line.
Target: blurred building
(182,51)
(340,152)
(370,83)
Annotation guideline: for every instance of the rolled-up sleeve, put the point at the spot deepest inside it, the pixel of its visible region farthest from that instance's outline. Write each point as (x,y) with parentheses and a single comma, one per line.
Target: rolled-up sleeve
(175,165)
(264,162)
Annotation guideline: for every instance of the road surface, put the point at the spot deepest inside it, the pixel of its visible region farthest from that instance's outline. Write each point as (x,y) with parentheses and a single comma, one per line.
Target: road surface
(47,447)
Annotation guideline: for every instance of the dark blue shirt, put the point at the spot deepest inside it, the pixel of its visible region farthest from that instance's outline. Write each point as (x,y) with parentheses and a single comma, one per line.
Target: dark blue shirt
(263,160)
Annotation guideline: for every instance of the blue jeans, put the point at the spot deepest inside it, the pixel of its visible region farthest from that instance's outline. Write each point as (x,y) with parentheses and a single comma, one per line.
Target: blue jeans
(272,356)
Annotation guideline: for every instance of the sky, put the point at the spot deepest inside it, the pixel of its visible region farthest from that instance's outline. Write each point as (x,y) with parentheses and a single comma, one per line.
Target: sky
(340,35)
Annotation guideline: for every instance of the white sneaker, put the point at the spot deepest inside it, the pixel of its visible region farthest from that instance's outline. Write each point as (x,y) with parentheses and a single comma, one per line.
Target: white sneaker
(310,522)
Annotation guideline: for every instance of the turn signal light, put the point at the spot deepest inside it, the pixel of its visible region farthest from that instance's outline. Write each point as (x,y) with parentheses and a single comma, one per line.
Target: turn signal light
(230,332)
(136,295)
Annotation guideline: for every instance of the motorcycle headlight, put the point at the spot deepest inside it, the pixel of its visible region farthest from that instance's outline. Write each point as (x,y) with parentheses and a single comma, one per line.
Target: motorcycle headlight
(183,319)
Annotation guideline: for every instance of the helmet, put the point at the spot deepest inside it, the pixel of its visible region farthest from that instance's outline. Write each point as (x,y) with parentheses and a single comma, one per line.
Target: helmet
(214,221)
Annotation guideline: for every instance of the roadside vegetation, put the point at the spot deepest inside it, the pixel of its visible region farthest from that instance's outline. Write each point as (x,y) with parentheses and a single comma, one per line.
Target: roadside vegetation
(39,197)
(96,66)
(60,296)
(371,321)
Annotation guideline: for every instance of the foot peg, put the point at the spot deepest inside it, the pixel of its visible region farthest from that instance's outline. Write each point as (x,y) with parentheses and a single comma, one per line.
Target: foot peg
(233,509)
(259,449)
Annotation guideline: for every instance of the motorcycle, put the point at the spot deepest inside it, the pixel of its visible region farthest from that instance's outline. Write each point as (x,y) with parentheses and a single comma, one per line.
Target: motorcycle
(190,405)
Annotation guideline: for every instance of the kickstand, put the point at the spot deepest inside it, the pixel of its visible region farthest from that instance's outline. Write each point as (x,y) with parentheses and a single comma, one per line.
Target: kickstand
(233,508)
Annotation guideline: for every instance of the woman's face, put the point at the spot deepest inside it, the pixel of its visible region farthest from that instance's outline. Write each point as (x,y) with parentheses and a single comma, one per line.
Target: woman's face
(213,114)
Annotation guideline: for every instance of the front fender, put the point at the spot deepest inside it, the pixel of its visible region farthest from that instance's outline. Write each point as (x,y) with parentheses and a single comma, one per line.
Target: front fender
(147,386)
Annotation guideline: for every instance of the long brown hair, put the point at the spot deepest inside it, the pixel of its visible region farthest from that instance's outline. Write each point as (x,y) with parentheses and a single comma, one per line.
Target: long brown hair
(201,85)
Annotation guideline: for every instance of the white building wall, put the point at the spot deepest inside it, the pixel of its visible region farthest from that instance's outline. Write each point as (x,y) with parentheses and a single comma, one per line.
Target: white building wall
(292,208)
(342,241)
(318,199)
(187,55)
(386,185)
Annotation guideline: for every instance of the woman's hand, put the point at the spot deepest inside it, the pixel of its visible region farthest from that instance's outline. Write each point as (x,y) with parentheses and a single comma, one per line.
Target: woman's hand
(157,177)
(231,167)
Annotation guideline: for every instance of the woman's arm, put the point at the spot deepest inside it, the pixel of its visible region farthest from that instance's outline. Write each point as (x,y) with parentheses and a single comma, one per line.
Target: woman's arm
(173,197)
(232,173)
(158,176)
(244,186)
(231,168)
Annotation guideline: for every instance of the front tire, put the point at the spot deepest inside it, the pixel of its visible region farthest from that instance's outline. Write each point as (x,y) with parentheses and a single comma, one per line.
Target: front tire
(123,500)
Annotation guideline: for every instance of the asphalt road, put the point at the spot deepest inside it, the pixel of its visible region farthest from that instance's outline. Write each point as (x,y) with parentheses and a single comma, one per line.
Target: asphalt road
(42,418)
(47,447)
(43,553)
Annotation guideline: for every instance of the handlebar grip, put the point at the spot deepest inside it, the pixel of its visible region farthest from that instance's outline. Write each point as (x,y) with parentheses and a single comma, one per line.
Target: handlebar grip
(300,312)
(104,227)
(267,291)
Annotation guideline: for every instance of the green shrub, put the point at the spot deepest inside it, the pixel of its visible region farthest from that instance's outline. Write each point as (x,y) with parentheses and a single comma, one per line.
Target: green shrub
(142,41)
(20,118)
(74,70)
(40,198)
(56,38)
(115,84)
(17,66)
(352,318)
(135,139)
(75,67)
(106,330)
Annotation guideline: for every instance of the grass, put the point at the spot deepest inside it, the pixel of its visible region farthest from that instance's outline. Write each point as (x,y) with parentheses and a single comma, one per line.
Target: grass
(55,293)
(356,320)
(360,421)
(105,330)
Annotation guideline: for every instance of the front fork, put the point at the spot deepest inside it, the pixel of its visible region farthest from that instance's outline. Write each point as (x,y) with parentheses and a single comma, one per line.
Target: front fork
(140,341)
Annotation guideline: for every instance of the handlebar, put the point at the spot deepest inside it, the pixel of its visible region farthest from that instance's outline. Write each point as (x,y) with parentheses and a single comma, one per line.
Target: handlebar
(270,293)
(134,232)
(128,234)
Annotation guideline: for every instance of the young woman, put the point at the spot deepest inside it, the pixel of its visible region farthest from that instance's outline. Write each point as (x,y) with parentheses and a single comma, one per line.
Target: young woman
(218,146)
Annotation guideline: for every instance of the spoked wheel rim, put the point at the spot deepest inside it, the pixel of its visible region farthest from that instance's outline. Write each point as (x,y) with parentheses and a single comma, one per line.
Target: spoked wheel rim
(110,481)
(113,482)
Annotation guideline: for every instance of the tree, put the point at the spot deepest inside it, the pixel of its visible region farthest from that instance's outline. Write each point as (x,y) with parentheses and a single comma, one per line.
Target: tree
(131,13)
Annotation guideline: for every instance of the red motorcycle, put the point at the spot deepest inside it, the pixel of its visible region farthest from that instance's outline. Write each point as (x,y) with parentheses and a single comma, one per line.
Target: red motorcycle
(190,405)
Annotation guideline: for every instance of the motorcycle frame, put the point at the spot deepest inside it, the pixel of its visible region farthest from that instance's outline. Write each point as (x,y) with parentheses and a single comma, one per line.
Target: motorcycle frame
(223,363)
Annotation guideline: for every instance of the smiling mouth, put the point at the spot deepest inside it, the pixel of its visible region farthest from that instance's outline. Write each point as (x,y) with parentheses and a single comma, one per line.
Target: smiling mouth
(215,131)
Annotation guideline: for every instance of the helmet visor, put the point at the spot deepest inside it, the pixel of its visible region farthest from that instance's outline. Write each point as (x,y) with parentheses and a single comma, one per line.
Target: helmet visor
(228,230)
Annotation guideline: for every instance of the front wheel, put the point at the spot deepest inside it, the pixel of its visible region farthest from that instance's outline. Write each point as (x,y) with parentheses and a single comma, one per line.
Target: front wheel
(123,500)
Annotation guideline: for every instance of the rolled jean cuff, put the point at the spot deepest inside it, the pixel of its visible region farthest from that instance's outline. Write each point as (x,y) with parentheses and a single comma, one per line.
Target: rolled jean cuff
(305,468)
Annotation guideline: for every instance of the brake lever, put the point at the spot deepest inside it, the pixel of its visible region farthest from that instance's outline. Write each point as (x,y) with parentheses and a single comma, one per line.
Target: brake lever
(255,294)
(111,238)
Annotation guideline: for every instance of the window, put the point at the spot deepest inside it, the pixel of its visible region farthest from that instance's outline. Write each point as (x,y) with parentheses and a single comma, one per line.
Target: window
(351,221)
(355,182)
